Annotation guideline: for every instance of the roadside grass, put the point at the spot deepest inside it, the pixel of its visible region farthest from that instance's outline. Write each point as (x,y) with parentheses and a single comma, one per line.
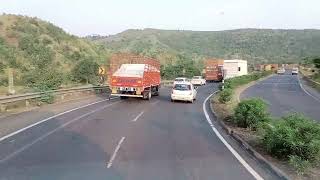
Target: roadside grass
(18,89)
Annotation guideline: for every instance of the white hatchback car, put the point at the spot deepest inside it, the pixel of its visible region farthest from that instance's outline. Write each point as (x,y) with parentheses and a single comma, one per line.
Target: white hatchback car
(180,80)
(281,71)
(295,71)
(198,80)
(184,91)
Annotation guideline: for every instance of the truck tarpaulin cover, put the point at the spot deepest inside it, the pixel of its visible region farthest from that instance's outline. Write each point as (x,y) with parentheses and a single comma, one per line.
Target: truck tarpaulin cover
(130,70)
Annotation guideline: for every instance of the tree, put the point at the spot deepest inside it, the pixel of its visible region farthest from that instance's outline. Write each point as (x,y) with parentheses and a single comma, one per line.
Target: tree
(316,62)
(86,71)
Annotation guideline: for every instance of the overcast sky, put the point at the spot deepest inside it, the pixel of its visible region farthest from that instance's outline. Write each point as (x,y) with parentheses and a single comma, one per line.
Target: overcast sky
(104,17)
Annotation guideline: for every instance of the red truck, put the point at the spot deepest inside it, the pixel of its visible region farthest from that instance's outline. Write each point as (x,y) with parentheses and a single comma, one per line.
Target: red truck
(213,70)
(134,76)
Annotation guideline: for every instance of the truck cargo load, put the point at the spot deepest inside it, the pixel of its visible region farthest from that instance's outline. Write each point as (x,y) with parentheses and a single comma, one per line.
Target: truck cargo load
(134,76)
(213,69)
(235,67)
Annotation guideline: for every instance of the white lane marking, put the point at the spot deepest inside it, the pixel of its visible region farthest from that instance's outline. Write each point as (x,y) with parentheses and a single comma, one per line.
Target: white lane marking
(276,83)
(154,103)
(44,120)
(115,152)
(136,118)
(301,86)
(51,132)
(233,151)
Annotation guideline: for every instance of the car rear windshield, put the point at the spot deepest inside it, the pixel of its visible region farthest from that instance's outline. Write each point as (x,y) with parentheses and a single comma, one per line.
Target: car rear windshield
(182,87)
(178,79)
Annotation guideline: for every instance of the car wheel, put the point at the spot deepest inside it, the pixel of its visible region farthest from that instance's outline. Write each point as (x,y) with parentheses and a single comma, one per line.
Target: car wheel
(172,100)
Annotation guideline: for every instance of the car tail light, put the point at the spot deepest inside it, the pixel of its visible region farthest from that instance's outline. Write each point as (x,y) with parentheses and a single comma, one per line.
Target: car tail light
(114,80)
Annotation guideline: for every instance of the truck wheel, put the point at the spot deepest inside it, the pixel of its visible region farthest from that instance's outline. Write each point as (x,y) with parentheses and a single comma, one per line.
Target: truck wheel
(156,93)
(147,95)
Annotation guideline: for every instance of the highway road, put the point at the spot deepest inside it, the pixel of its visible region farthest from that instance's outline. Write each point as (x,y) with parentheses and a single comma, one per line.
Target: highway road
(286,94)
(129,139)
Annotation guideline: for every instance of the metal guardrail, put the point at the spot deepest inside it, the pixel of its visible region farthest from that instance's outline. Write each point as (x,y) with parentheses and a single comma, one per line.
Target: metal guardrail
(314,81)
(308,78)
(14,98)
(167,82)
(28,96)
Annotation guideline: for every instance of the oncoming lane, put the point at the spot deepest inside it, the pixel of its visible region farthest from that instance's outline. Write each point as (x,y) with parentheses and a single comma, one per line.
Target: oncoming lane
(284,95)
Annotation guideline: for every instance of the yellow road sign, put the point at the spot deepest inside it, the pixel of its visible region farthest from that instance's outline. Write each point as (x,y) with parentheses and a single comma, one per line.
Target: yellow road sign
(102,70)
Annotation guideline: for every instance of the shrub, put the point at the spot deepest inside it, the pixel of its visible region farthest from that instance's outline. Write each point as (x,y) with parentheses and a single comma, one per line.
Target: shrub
(299,164)
(44,79)
(293,135)
(86,71)
(47,98)
(225,95)
(250,112)
(240,80)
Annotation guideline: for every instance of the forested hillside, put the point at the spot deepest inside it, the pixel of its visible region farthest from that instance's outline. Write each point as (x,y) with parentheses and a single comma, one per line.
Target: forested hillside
(44,56)
(255,45)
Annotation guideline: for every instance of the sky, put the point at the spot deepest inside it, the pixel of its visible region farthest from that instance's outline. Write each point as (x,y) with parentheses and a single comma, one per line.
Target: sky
(107,17)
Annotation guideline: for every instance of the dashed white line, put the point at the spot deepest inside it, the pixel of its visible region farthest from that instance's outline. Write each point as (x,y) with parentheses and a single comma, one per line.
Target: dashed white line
(233,151)
(137,117)
(49,118)
(51,132)
(115,152)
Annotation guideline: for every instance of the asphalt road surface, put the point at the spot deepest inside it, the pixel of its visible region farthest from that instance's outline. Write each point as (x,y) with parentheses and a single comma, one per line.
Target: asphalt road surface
(284,95)
(128,139)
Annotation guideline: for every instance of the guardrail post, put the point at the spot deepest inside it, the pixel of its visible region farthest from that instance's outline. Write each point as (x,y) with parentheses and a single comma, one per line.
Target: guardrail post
(3,107)
(27,103)
(222,87)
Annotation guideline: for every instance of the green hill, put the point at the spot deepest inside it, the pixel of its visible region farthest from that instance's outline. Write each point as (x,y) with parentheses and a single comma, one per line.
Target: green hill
(255,45)
(43,55)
